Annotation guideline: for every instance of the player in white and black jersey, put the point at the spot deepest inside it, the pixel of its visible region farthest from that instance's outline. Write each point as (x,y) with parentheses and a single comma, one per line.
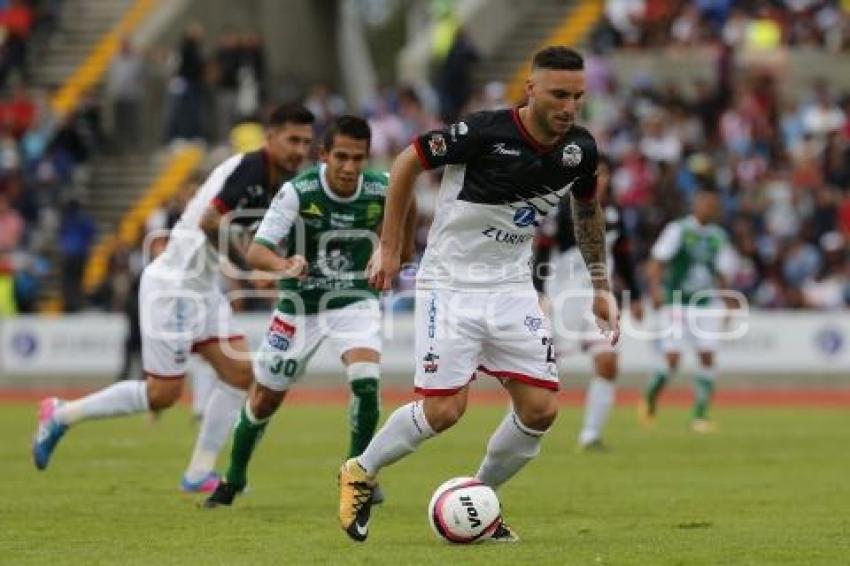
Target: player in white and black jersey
(182,309)
(476,308)
(561,274)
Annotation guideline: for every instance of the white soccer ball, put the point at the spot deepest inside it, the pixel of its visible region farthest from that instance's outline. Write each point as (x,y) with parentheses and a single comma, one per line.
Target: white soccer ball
(464,511)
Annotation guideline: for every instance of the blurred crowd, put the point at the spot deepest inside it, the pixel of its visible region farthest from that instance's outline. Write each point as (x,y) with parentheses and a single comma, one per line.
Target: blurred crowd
(44,229)
(782,165)
(742,24)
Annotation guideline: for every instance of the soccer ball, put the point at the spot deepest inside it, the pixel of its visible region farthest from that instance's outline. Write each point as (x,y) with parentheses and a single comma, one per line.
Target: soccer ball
(464,510)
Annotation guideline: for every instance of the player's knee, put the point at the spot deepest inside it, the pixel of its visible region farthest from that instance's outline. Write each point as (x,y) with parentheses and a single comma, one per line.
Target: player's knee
(264,401)
(163,394)
(540,415)
(443,412)
(606,366)
(241,375)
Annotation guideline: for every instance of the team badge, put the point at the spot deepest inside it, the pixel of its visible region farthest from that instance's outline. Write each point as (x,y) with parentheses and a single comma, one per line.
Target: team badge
(437,145)
(571,155)
(429,362)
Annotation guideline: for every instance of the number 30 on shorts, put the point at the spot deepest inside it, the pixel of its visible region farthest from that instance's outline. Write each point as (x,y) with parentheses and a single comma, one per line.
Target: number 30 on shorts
(288,366)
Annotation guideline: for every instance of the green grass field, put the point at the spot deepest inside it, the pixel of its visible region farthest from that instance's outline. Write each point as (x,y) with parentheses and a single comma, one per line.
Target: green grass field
(772,487)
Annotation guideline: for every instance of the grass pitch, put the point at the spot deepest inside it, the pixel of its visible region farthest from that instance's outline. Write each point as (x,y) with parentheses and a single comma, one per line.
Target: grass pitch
(770,488)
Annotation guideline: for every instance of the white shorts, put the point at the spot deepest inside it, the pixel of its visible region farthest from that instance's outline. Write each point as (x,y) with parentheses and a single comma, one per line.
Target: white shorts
(292,340)
(698,326)
(503,334)
(175,322)
(573,325)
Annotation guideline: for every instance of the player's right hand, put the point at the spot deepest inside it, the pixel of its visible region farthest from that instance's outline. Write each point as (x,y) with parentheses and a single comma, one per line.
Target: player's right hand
(293,267)
(382,269)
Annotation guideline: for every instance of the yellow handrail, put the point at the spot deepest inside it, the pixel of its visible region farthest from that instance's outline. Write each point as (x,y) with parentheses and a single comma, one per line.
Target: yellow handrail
(173,175)
(572,30)
(91,71)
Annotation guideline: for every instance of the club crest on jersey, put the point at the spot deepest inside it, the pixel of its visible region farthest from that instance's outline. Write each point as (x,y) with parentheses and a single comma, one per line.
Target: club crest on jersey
(524,216)
(571,155)
(280,334)
(437,145)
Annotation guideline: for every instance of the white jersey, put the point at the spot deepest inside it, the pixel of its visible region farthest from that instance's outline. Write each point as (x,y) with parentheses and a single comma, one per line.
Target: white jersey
(242,182)
(497,186)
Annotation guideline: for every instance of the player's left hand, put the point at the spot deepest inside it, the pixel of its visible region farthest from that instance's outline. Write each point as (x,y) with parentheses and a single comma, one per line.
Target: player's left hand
(382,269)
(607,315)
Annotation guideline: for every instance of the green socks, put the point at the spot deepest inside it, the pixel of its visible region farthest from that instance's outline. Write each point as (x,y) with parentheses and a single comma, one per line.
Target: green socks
(363,411)
(656,386)
(704,384)
(246,435)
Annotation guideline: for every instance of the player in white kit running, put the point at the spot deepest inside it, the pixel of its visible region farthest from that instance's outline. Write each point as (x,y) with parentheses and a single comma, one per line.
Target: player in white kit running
(182,310)
(476,308)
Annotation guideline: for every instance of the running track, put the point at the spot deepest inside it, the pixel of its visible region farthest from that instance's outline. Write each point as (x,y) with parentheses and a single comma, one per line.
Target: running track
(810,398)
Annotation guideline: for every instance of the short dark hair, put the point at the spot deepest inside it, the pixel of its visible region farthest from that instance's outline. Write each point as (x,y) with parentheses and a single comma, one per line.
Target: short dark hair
(290,113)
(558,57)
(350,126)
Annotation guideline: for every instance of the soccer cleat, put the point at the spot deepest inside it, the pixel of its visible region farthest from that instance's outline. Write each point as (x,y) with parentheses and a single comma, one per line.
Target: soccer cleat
(207,484)
(646,414)
(503,533)
(378,495)
(48,433)
(703,426)
(224,494)
(355,499)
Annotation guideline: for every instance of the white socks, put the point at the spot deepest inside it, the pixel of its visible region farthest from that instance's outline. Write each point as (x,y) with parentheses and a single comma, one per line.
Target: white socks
(403,432)
(511,447)
(220,414)
(122,398)
(597,407)
(204,380)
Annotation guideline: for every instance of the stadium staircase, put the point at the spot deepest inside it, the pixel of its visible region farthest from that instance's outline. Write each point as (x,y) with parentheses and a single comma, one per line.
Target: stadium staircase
(71,64)
(550,21)
(82,23)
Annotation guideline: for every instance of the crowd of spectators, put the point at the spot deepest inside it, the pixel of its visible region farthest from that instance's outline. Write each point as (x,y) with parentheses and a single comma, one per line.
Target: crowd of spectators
(782,165)
(741,24)
(44,230)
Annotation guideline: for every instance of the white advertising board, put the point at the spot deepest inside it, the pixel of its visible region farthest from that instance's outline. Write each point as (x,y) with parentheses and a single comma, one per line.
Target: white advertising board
(774,343)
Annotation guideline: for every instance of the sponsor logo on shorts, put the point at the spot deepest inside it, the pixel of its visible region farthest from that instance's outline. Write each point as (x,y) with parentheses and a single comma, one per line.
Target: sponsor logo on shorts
(505,237)
(280,334)
(533,323)
(432,316)
(429,362)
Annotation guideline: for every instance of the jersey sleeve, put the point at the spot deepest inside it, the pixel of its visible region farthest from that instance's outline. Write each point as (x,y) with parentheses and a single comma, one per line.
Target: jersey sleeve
(668,242)
(279,218)
(584,187)
(233,187)
(457,143)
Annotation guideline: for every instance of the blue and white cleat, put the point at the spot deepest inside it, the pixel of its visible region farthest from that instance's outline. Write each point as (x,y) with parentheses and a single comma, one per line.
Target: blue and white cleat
(48,433)
(207,484)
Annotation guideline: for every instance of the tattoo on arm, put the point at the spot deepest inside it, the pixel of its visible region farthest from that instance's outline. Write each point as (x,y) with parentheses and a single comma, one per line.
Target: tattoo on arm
(589,226)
